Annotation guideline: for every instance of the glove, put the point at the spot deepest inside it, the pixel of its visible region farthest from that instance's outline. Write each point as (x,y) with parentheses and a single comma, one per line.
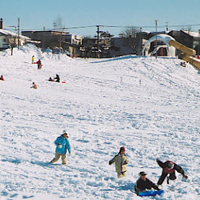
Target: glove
(60,146)
(110,163)
(125,163)
(184,176)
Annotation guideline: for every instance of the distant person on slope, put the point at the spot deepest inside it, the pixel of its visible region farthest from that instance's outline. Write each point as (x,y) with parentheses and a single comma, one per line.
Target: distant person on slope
(62,145)
(143,183)
(50,79)
(33,58)
(120,161)
(183,64)
(169,167)
(2,78)
(57,78)
(34,86)
(39,63)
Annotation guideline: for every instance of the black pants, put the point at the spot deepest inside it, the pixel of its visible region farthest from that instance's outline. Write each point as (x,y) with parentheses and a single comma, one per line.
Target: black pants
(172,176)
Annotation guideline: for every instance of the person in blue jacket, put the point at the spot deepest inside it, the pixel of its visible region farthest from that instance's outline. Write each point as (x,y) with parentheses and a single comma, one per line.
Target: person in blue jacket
(62,145)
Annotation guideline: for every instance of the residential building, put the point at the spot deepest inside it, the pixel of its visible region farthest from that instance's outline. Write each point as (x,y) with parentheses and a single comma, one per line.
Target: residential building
(54,39)
(188,38)
(9,39)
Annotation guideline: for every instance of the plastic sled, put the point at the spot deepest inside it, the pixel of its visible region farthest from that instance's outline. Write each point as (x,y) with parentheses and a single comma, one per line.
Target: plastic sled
(150,193)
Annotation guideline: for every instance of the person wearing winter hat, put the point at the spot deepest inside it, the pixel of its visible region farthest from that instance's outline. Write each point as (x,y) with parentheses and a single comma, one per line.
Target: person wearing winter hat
(120,161)
(169,168)
(62,145)
(143,183)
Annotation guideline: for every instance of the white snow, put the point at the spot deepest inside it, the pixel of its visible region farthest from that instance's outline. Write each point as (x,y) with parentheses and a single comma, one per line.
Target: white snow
(150,106)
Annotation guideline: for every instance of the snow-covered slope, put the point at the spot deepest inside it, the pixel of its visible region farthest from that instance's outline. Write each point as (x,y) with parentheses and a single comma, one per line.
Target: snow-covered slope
(150,106)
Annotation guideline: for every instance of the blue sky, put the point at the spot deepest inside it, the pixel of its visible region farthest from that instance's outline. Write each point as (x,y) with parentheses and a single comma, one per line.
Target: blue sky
(36,14)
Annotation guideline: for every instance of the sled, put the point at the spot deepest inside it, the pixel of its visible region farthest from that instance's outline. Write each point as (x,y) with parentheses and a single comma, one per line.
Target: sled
(150,193)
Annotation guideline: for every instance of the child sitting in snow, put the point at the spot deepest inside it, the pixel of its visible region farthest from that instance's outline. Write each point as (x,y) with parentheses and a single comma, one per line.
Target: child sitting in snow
(50,79)
(143,183)
(2,78)
(34,86)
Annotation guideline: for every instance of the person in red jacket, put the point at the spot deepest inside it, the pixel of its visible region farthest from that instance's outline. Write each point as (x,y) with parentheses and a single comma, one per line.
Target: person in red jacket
(2,78)
(169,168)
(39,63)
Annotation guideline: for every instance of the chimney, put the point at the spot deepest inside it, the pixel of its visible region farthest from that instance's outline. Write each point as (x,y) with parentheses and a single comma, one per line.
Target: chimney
(1,23)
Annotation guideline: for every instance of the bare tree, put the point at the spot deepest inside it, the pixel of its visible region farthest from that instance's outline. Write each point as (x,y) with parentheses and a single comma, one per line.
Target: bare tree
(129,32)
(58,24)
(130,35)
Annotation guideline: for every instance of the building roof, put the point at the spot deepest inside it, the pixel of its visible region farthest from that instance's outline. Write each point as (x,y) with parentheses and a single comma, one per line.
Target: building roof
(48,31)
(191,33)
(9,33)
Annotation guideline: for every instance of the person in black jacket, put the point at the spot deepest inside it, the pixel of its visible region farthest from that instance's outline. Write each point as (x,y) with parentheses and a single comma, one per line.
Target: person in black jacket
(143,183)
(169,167)
(57,78)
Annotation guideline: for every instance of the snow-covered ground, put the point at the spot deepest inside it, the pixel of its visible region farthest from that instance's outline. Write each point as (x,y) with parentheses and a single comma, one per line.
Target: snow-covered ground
(150,106)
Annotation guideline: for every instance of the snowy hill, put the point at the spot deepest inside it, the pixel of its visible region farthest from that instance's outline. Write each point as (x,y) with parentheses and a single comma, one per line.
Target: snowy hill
(150,106)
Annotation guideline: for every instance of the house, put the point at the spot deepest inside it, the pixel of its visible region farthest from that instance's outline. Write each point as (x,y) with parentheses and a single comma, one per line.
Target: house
(188,38)
(53,39)
(73,43)
(9,39)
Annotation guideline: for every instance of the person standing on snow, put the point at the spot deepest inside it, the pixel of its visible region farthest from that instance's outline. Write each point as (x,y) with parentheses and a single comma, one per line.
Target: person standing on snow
(120,161)
(62,145)
(33,58)
(39,63)
(143,183)
(169,167)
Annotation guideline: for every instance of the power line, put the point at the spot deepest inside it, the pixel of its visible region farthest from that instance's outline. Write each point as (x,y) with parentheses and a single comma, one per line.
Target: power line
(114,26)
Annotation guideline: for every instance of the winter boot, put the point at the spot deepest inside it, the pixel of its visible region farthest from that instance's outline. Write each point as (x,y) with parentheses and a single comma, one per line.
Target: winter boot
(167,180)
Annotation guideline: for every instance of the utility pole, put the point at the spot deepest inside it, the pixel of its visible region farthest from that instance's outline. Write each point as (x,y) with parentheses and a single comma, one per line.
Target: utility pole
(140,44)
(60,41)
(98,39)
(156,21)
(198,44)
(18,30)
(43,38)
(167,26)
